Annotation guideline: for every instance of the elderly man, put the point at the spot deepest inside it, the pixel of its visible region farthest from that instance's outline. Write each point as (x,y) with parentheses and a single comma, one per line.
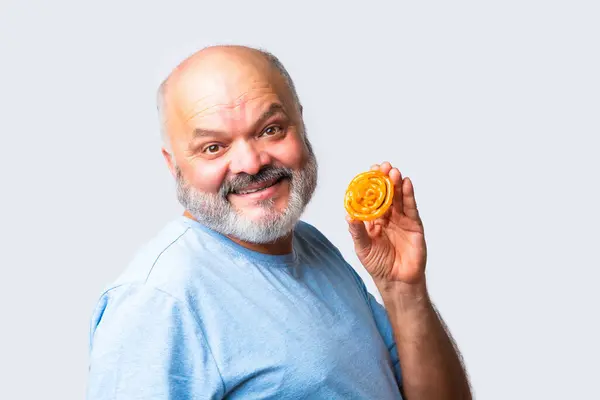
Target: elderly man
(238,298)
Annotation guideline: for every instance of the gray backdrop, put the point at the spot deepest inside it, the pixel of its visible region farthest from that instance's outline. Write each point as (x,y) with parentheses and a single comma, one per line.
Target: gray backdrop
(492,108)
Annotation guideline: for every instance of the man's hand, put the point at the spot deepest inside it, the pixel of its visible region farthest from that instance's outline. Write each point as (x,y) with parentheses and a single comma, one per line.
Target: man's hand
(392,248)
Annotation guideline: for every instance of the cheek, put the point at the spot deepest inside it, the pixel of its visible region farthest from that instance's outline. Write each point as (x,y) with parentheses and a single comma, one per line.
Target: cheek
(290,153)
(207,177)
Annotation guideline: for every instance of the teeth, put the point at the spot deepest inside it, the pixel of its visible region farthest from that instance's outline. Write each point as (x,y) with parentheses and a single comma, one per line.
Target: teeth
(255,190)
(251,191)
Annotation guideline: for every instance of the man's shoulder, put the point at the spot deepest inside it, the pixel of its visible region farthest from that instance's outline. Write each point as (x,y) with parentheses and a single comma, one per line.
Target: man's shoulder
(310,235)
(165,261)
(314,241)
(309,231)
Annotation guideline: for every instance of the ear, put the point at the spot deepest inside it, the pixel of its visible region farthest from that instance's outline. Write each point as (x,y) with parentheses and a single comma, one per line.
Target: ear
(170,159)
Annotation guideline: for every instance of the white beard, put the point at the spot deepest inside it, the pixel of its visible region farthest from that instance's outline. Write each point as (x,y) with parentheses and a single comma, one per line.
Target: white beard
(214,210)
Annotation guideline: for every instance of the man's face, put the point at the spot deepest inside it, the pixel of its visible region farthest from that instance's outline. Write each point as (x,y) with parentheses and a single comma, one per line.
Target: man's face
(243,166)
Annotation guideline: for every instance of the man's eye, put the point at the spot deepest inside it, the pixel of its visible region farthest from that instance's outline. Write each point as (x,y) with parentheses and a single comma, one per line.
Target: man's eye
(213,148)
(271,130)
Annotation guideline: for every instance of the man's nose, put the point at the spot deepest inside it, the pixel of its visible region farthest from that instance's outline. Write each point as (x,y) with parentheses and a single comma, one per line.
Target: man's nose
(248,158)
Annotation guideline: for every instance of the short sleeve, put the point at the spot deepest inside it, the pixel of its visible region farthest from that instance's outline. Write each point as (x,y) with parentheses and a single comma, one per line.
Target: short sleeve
(146,345)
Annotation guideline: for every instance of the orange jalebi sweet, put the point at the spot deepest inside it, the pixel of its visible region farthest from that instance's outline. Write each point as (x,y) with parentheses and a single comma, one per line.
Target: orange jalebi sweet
(369,195)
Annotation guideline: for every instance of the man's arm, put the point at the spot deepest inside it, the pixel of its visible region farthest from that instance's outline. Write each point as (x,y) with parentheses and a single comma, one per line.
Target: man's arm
(147,345)
(429,359)
(393,250)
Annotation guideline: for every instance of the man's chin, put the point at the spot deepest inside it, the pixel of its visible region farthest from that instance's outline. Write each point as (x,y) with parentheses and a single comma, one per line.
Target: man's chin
(262,227)
(261,215)
(262,210)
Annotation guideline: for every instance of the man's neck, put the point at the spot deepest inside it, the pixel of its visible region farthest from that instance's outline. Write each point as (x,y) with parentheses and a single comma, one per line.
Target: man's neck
(279,247)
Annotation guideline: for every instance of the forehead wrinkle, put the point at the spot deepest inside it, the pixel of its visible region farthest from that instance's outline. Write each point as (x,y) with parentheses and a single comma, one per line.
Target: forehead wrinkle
(192,114)
(237,104)
(223,86)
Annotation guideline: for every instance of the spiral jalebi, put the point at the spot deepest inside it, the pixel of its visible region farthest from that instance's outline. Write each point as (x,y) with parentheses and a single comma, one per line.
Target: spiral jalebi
(369,195)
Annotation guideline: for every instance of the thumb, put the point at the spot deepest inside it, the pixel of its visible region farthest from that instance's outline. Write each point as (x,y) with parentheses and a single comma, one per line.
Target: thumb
(358,231)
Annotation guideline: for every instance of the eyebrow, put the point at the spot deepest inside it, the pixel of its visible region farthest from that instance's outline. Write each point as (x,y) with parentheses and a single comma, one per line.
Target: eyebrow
(273,109)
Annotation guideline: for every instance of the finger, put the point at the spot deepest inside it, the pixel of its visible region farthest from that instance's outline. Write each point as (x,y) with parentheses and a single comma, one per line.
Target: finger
(385,167)
(374,167)
(408,199)
(396,178)
(359,234)
(375,229)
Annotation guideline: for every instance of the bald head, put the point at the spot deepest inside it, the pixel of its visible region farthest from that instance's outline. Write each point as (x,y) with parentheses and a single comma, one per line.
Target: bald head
(225,66)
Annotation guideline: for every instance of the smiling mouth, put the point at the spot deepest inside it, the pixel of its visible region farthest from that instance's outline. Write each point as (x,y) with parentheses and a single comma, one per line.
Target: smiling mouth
(258,187)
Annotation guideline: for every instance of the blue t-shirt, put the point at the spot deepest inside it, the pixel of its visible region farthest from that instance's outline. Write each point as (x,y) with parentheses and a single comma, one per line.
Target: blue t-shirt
(197,316)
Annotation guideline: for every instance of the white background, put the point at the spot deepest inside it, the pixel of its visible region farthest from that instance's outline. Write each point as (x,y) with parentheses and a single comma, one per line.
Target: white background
(492,108)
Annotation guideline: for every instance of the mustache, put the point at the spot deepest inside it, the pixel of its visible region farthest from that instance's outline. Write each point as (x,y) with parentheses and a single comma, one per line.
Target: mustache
(242,180)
